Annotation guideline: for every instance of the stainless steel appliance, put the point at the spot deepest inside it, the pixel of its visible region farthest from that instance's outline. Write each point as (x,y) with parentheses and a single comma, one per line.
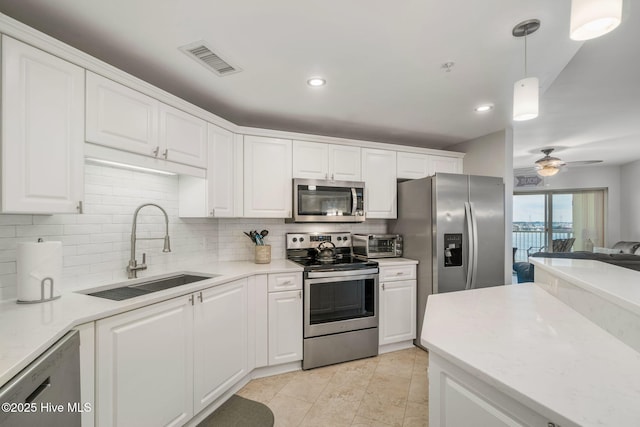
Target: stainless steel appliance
(454,226)
(377,245)
(340,299)
(327,201)
(47,392)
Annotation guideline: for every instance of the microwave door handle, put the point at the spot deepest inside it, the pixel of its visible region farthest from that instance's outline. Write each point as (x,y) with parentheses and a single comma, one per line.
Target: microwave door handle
(354,200)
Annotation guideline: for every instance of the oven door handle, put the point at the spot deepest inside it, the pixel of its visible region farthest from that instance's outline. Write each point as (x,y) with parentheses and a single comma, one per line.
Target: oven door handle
(339,274)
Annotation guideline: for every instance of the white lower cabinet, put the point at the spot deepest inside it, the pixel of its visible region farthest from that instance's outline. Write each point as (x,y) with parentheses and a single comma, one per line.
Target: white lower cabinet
(398,293)
(285,327)
(150,361)
(457,398)
(285,317)
(144,365)
(220,341)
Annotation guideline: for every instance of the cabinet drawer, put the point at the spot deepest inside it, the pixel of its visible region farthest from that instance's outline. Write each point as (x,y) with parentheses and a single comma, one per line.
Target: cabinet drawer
(285,281)
(400,272)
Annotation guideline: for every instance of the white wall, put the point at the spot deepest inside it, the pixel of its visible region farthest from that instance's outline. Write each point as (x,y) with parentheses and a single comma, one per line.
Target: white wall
(630,201)
(586,177)
(492,155)
(96,244)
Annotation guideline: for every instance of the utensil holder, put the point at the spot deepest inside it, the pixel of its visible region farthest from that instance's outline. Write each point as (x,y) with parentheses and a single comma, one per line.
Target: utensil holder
(263,254)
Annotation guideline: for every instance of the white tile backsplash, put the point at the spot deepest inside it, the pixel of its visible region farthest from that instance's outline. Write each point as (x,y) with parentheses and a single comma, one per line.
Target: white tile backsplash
(96,244)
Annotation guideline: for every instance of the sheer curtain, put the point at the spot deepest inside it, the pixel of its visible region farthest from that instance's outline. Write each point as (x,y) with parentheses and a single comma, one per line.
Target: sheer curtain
(588,219)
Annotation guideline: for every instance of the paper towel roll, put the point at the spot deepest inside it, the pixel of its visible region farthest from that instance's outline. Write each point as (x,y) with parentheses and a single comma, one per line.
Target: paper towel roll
(35,262)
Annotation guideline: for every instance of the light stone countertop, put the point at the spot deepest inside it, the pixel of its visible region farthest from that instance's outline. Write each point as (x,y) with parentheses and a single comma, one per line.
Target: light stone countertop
(27,330)
(618,285)
(537,350)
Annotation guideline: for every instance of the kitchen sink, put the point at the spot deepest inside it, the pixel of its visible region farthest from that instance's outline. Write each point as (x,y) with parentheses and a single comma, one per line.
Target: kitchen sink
(120,293)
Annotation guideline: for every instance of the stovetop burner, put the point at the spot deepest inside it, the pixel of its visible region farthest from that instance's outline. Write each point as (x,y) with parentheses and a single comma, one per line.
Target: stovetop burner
(302,249)
(346,262)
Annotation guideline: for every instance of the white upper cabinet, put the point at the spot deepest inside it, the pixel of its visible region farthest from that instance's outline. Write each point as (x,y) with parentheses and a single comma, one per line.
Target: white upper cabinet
(444,164)
(310,160)
(416,165)
(124,119)
(120,117)
(344,163)
(379,175)
(42,131)
(183,136)
(412,165)
(314,160)
(267,177)
(220,193)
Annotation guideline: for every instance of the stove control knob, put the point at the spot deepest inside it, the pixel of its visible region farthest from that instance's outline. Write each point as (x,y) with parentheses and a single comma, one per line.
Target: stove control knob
(346,238)
(295,239)
(302,239)
(339,238)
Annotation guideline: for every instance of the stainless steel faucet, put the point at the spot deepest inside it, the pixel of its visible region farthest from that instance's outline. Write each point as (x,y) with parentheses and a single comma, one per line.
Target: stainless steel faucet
(133,267)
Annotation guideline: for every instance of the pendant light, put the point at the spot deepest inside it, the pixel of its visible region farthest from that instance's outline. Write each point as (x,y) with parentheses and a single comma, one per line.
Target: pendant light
(525,91)
(594,18)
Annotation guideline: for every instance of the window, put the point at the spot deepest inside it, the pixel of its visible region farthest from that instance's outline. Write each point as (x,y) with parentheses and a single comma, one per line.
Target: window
(558,221)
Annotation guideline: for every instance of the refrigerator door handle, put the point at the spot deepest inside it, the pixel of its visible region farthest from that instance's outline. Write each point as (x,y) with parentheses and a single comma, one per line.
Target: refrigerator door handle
(474,221)
(470,244)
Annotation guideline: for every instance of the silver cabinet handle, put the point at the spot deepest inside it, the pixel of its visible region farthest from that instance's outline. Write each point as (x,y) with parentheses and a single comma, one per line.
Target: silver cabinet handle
(300,294)
(79,208)
(156,151)
(166,153)
(399,273)
(288,282)
(383,286)
(213,212)
(200,296)
(191,299)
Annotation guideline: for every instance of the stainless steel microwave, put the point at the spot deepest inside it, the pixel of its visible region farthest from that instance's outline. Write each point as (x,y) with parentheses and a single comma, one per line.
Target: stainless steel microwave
(377,245)
(316,200)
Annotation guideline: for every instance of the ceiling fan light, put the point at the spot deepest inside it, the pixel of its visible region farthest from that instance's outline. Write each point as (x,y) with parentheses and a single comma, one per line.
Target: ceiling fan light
(548,170)
(525,99)
(594,18)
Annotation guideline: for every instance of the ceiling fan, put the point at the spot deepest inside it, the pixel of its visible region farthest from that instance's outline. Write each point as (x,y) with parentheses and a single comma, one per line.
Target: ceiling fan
(549,165)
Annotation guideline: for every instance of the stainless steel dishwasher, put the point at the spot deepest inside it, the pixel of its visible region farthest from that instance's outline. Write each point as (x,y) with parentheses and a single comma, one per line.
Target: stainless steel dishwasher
(47,392)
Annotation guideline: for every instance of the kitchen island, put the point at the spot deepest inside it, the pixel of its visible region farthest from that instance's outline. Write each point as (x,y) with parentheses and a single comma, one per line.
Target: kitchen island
(519,355)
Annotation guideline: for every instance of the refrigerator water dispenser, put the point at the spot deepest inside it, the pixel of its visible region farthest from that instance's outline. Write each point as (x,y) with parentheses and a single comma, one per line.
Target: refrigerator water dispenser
(453,250)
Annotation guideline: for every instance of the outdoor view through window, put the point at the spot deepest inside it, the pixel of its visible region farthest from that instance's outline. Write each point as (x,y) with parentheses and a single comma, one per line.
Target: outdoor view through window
(557,221)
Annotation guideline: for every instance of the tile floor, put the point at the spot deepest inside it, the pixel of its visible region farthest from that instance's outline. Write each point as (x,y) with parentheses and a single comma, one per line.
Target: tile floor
(387,390)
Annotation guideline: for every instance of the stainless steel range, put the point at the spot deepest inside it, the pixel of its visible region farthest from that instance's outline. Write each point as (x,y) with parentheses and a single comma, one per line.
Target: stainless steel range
(340,299)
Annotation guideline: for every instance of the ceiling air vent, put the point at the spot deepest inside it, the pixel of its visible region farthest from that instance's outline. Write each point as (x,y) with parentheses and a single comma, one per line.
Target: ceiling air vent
(205,56)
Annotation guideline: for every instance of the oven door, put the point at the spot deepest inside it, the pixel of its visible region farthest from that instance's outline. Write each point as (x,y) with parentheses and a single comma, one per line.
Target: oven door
(328,201)
(347,302)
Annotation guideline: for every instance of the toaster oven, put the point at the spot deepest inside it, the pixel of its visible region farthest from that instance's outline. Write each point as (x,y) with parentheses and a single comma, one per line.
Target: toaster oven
(377,245)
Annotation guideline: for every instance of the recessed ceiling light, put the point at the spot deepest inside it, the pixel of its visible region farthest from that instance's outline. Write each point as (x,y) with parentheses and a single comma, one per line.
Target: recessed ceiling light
(483,108)
(316,81)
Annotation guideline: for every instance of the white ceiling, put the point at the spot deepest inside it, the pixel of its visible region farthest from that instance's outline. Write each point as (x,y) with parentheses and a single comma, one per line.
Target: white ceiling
(382,61)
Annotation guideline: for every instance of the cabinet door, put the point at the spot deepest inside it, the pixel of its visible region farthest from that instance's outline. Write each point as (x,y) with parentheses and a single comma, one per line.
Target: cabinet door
(267,177)
(224,181)
(444,164)
(344,163)
(42,131)
(183,137)
(144,365)
(221,341)
(285,327)
(379,175)
(412,165)
(397,311)
(310,160)
(120,117)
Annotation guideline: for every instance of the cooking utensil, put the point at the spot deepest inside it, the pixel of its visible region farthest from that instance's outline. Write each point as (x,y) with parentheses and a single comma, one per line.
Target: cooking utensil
(326,253)
(264,233)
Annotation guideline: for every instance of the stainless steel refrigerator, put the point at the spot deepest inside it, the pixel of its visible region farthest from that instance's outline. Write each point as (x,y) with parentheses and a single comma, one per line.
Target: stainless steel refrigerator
(454,226)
